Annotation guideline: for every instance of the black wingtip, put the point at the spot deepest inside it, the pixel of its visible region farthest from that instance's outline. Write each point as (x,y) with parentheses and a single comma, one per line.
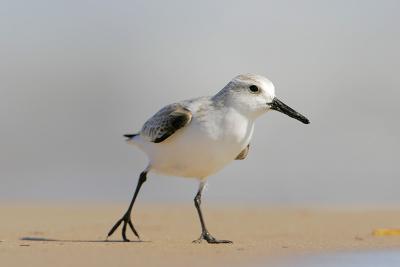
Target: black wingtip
(130,136)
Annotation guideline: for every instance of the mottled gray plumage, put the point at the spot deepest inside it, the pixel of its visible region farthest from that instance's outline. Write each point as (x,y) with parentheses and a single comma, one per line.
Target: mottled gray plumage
(243,154)
(166,122)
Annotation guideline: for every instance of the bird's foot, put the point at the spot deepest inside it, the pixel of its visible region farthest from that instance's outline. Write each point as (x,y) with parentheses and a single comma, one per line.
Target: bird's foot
(205,235)
(126,219)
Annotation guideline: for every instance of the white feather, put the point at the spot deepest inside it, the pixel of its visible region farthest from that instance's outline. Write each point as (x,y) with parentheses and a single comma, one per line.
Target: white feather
(221,127)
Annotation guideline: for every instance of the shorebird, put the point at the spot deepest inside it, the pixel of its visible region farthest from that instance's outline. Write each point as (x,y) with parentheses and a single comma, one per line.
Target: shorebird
(196,138)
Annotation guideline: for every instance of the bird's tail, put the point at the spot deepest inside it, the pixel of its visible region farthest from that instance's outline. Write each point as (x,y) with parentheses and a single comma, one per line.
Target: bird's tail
(130,136)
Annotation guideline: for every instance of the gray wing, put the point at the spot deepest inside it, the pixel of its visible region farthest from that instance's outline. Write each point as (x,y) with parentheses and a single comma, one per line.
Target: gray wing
(244,153)
(166,122)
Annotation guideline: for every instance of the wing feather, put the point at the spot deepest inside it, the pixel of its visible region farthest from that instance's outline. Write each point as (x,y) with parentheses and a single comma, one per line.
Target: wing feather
(243,154)
(166,122)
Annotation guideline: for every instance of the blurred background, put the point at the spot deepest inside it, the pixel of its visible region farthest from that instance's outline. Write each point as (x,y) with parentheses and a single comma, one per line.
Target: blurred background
(77,75)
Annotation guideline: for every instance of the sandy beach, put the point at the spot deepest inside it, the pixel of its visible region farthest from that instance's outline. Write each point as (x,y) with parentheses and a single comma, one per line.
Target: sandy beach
(74,234)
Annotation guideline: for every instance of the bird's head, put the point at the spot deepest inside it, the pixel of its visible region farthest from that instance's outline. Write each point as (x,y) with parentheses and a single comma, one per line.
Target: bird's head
(254,95)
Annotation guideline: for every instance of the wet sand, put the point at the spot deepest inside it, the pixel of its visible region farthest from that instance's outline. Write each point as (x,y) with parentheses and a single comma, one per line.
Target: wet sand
(74,234)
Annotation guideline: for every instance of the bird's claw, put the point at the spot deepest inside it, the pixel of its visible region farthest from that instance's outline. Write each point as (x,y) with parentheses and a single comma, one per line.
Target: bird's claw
(126,219)
(210,239)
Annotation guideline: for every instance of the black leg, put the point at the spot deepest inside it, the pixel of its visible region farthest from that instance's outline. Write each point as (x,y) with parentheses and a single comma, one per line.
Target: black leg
(127,216)
(205,235)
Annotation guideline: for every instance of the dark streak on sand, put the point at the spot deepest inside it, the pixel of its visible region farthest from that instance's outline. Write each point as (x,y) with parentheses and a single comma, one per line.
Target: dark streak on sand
(29,238)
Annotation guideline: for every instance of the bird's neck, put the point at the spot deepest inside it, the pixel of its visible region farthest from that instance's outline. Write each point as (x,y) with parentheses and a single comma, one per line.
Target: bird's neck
(236,126)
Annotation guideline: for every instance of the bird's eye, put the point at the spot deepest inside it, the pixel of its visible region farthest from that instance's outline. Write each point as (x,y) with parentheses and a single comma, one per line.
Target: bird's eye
(254,89)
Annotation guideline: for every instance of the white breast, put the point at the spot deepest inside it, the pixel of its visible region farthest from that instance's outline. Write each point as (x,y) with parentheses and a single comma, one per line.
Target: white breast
(203,147)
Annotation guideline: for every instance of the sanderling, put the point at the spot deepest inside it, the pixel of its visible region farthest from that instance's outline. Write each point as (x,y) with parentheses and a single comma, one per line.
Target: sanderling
(198,137)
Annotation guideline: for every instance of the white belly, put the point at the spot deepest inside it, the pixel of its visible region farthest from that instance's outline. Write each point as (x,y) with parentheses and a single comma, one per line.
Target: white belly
(200,149)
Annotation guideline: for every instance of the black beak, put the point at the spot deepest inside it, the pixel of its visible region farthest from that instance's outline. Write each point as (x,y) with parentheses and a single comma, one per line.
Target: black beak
(282,107)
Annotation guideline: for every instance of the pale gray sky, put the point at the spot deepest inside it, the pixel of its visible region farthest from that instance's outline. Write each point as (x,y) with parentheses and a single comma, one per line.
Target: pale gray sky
(76,75)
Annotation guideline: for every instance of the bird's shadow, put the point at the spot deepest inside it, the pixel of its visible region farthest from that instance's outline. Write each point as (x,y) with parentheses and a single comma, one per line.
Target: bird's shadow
(31,238)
